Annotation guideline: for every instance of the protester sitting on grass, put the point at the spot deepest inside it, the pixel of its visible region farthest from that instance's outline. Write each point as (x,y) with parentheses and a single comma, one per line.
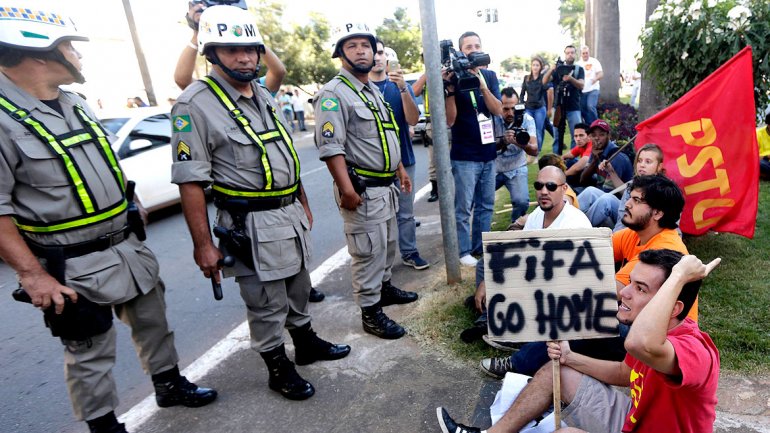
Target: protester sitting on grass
(651,216)
(577,157)
(605,209)
(672,367)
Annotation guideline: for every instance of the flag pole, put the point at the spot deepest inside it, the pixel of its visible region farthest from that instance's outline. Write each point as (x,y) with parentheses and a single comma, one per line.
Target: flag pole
(620,149)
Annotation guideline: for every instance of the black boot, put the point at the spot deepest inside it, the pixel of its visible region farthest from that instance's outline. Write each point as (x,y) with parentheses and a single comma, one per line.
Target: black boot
(391,294)
(377,323)
(284,377)
(316,296)
(172,389)
(309,348)
(106,424)
(433,191)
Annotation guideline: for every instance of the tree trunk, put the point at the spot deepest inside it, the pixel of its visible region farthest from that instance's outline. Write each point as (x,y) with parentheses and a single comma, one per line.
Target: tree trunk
(607,47)
(590,30)
(650,101)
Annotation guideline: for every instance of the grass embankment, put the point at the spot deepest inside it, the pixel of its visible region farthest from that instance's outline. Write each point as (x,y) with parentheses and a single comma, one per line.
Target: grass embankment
(734,300)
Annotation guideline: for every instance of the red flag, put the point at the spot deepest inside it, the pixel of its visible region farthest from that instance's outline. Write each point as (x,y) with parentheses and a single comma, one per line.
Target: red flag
(710,149)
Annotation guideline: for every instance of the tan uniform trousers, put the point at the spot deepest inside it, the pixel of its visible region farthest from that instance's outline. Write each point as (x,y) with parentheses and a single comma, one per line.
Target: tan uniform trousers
(273,305)
(88,364)
(371,232)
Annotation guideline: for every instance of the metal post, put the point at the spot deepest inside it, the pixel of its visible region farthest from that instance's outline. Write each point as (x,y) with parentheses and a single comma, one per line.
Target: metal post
(432,57)
(140,55)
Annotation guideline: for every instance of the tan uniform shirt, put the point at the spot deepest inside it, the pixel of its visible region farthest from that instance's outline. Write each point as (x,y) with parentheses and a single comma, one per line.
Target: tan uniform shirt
(346,126)
(208,146)
(35,185)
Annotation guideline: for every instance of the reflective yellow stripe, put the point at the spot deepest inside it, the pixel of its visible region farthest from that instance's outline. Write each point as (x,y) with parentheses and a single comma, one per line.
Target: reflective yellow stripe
(256,194)
(105,144)
(75,139)
(73,224)
(287,139)
(381,126)
(370,173)
(225,99)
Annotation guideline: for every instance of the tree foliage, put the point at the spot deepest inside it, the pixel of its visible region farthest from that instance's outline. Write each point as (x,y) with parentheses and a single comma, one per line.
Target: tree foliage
(303,51)
(405,37)
(572,18)
(686,40)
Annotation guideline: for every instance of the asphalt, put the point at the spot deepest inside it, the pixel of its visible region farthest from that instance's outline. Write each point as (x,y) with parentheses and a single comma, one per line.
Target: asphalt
(382,386)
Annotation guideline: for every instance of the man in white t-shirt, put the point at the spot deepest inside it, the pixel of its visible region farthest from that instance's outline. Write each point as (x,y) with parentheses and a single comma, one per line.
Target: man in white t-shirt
(553,211)
(299,109)
(590,96)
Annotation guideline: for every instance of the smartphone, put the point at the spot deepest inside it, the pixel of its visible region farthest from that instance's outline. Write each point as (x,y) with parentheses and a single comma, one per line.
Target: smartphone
(393,65)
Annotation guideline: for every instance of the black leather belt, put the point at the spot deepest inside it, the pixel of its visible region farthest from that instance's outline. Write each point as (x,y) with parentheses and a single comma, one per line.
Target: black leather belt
(82,248)
(252,204)
(375,182)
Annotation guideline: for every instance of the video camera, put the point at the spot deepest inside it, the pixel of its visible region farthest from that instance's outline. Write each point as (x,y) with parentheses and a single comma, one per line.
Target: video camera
(522,136)
(460,64)
(562,68)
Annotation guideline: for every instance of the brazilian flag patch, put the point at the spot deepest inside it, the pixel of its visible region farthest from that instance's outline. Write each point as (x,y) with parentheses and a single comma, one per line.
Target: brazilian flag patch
(182,123)
(330,104)
(182,151)
(327,130)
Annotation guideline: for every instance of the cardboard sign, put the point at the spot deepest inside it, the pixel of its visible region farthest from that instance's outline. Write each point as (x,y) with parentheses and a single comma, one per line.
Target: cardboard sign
(551,284)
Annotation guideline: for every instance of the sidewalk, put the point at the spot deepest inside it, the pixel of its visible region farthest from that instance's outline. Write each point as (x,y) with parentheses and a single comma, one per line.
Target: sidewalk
(382,386)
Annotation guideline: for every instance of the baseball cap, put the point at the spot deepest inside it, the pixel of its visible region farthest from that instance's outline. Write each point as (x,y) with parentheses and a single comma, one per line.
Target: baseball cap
(601,124)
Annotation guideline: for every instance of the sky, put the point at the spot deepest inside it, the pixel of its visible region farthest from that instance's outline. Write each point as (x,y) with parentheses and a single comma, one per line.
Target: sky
(524,28)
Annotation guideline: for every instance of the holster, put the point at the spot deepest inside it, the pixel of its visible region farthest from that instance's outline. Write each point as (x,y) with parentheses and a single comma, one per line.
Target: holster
(237,243)
(359,185)
(79,320)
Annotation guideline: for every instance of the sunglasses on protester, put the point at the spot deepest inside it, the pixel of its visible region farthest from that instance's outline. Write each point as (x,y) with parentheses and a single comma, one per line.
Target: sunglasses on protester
(550,186)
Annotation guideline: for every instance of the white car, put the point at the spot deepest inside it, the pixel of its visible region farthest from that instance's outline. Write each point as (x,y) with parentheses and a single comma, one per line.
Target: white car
(144,149)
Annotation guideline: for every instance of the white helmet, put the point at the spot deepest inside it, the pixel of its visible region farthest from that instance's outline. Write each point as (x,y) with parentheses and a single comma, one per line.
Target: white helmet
(347,31)
(390,54)
(227,25)
(34,28)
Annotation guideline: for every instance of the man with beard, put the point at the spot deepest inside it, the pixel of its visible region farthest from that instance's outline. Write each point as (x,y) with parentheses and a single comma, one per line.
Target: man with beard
(357,136)
(652,212)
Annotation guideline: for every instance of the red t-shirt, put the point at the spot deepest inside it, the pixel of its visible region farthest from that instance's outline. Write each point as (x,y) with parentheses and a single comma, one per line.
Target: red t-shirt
(579,152)
(686,404)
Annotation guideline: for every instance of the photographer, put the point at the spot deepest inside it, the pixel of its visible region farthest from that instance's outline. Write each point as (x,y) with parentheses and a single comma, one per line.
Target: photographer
(519,140)
(183,74)
(568,81)
(469,112)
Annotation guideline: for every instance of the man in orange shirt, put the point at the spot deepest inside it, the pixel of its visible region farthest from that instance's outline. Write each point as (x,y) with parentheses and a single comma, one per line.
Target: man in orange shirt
(652,212)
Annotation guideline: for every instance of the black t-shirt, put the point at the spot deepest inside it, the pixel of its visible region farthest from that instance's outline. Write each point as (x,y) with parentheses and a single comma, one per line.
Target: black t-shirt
(567,95)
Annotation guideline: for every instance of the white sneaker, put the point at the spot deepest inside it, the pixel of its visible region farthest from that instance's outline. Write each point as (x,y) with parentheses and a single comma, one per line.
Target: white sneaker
(468,260)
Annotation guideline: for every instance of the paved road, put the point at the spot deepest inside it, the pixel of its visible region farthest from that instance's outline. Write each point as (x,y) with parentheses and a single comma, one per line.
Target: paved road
(34,397)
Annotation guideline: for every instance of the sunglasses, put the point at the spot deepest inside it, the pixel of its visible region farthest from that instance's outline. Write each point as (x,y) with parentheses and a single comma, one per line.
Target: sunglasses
(550,186)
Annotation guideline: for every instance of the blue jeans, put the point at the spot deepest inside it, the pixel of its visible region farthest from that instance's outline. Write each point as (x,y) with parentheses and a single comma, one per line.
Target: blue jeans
(474,191)
(516,182)
(588,103)
(532,356)
(289,115)
(604,211)
(539,116)
(300,120)
(573,117)
(407,236)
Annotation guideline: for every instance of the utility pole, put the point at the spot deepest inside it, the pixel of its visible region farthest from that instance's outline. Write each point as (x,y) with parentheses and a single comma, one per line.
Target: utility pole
(140,55)
(432,59)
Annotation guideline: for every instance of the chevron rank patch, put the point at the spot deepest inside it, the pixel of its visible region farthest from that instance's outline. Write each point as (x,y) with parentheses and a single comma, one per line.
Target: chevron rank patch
(327,130)
(182,123)
(182,151)
(330,104)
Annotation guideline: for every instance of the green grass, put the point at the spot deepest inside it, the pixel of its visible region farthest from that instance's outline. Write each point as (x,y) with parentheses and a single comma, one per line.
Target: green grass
(734,300)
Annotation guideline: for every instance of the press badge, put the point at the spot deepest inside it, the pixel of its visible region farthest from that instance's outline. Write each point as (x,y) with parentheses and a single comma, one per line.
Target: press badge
(487,129)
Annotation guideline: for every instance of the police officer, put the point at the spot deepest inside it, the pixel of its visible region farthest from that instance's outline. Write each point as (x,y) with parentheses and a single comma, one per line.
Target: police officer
(228,133)
(63,222)
(357,136)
